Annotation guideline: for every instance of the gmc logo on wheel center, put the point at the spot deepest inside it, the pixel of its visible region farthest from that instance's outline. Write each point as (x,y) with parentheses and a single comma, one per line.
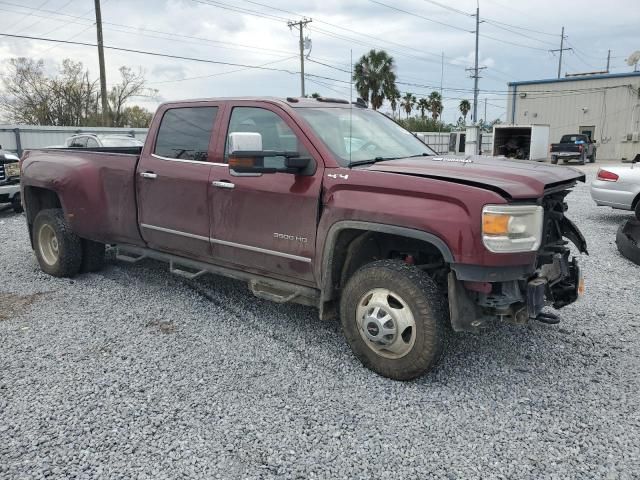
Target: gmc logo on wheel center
(292,238)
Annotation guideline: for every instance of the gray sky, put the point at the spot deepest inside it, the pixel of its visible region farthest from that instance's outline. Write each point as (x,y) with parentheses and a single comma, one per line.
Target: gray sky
(260,36)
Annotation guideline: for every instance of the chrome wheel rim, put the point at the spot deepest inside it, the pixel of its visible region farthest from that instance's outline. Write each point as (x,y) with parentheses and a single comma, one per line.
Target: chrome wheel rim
(386,323)
(48,244)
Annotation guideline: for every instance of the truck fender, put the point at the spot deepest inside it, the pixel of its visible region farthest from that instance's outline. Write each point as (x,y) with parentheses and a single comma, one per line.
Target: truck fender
(336,228)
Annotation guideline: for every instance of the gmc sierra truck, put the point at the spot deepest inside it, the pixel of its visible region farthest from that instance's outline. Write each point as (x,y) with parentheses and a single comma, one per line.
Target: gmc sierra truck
(325,203)
(573,147)
(10,180)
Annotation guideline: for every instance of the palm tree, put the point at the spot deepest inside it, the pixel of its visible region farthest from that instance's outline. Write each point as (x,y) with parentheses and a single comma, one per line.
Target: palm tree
(394,97)
(465,106)
(408,101)
(374,77)
(423,104)
(435,104)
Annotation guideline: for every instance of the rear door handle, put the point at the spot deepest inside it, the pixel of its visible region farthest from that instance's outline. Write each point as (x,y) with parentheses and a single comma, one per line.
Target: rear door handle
(223,184)
(148,175)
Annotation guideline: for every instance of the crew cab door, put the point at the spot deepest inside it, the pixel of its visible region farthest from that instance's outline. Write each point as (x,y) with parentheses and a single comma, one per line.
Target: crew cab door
(173,180)
(266,223)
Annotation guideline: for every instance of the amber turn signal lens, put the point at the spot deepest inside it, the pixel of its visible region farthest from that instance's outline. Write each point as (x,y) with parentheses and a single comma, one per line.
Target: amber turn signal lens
(240,162)
(495,224)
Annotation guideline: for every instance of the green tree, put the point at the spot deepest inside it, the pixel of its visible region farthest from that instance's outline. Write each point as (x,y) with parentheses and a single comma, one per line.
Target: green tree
(408,101)
(132,84)
(423,104)
(69,97)
(465,107)
(435,104)
(394,99)
(136,117)
(374,77)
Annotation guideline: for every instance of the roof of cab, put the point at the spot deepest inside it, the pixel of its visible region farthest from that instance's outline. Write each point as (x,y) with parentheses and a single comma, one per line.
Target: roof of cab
(295,102)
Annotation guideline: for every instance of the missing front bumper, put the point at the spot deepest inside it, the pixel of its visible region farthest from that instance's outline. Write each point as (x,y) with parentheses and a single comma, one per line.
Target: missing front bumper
(514,301)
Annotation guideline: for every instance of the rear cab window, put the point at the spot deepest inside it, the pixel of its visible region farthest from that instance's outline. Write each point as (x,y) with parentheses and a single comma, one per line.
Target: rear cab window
(185,132)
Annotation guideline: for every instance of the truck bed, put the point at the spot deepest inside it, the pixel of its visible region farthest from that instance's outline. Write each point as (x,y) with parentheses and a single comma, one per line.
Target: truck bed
(99,185)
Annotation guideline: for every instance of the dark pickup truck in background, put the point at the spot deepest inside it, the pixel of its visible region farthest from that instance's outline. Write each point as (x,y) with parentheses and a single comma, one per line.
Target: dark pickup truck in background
(573,147)
(324,203)
(10,180)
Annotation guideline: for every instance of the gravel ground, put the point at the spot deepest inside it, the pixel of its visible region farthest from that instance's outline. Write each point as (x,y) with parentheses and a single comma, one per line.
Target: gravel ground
(134,373)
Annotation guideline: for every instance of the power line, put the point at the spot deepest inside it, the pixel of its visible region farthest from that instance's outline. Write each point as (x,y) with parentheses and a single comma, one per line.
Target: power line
(145,52)
(219,74)
(28,15)
(413,14)
(447,7)
(520,27)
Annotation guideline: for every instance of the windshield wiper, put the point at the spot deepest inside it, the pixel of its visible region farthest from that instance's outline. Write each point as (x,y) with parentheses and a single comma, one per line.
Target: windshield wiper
(382,159)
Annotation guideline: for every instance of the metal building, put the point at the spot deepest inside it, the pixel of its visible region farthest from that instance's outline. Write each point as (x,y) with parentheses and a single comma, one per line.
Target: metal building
(605,106)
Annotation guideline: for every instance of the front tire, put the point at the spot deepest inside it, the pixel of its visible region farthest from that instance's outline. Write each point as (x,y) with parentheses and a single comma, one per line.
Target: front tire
(394,319)
(58,249)
(592,159)
(554,159)
(637,210)
(16,204)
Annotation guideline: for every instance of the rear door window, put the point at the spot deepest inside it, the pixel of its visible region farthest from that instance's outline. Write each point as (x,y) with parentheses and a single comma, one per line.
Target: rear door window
(184,133)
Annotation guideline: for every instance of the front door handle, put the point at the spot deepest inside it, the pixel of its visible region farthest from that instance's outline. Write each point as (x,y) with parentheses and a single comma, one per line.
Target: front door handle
(223,184)
(148,175)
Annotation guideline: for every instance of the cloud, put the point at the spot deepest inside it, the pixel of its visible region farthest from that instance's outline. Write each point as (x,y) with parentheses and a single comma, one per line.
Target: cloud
(196,29)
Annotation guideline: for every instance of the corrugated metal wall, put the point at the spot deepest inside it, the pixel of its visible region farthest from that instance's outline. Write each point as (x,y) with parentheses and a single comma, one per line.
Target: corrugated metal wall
(40,137)
(439,141)
(610,104)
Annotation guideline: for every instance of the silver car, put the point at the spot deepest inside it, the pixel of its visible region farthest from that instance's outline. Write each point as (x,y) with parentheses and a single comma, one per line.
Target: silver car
(618,187)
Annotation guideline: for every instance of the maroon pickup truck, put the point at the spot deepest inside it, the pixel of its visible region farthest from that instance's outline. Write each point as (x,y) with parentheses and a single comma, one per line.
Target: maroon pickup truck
(324,203)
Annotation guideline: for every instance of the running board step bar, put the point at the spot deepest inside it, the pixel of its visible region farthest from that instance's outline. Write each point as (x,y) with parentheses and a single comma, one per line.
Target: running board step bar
(269,292)
(279,291)
(184,273)
(124,257)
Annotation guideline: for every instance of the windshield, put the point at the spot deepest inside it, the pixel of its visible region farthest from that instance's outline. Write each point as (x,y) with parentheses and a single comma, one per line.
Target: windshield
(357,135)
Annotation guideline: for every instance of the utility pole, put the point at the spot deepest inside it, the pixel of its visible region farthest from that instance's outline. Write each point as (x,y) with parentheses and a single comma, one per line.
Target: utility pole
(561,50)
(485,110)
(103,76)
(441,81)
(300,25)
(476,69)
(608,60)
(475,73)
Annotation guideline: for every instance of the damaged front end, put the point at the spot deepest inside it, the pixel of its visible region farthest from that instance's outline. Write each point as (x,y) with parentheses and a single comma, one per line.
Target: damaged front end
(555,279)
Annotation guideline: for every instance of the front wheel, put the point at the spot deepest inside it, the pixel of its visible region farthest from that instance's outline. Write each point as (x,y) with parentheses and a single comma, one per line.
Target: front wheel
(592,158)
(16,204)
(58,249)
(394,319)
(554,159)
(637,210)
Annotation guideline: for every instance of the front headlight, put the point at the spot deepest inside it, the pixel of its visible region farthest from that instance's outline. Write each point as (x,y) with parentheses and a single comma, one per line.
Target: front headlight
(12,169)
(512,228)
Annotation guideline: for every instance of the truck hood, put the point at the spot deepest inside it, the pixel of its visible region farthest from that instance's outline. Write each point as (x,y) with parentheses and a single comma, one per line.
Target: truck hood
(513,179)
